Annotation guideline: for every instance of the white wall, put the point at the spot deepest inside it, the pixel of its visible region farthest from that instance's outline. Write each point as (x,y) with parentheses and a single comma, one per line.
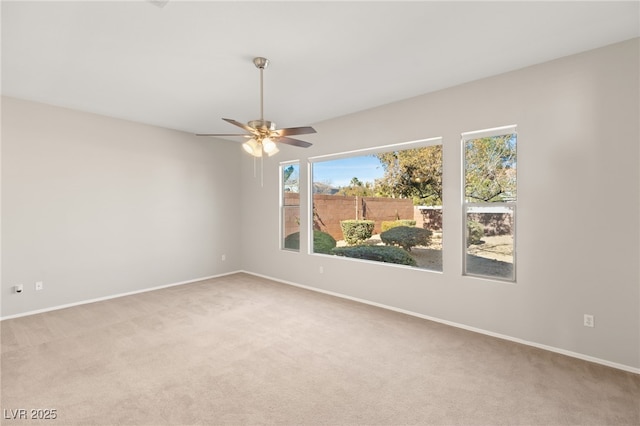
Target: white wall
(578,206)
(94,206)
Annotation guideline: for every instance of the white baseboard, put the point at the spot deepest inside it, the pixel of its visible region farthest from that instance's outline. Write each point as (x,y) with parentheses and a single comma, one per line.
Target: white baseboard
(114,296)
(355,299)
(462,326)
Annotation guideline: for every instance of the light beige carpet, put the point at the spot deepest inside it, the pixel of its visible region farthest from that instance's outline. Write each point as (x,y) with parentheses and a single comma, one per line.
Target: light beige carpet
(245,350)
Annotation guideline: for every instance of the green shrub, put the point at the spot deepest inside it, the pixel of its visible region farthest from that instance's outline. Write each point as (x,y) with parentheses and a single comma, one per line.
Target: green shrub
(406,237)
(292,241)
(475,232)
(322,242)
(388,224)
(356,231)
(387,254)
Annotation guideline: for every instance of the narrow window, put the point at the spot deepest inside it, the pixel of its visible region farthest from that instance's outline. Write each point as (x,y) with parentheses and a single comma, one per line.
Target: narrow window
(489,204)
(290,206)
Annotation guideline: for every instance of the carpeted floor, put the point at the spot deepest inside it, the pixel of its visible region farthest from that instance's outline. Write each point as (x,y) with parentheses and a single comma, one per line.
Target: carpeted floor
(243,350)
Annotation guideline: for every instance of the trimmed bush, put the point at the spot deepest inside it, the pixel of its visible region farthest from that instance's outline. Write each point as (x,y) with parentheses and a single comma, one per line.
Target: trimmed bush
(387,254)
(388,224)
(475,232)
(292,241)
(322,242)
(356,231)
(406,237)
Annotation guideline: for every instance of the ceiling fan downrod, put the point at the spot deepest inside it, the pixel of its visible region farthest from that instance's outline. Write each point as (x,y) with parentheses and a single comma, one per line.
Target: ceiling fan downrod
(261,63)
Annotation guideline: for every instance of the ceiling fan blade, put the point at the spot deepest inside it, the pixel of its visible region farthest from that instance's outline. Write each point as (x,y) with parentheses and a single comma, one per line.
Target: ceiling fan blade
(241,125)
(295,131)
(224,134)
(295,142)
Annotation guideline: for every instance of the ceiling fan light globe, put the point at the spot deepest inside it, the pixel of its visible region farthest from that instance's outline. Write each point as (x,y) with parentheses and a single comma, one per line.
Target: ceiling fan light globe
(247,147)
(253,147)
(274,151)
(268,145)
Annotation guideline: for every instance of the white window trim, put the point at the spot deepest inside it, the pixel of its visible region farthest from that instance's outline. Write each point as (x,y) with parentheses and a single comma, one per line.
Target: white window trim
(282,166)
(511,205)
(376,149)
(419,143)
(487,133)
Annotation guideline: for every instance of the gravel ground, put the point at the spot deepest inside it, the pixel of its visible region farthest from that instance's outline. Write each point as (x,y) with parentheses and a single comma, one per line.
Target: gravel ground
(493,257)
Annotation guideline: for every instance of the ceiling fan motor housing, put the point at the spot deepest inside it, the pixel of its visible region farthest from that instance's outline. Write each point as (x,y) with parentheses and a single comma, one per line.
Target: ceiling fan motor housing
(263,126)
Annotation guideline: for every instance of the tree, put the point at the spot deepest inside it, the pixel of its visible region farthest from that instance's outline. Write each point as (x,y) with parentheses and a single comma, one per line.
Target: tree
(412,173)
(288,172)
(490,169)
(357,188)
(290,179)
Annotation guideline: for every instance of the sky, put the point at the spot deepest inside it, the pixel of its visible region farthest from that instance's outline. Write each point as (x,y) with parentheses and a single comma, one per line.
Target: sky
(339,172)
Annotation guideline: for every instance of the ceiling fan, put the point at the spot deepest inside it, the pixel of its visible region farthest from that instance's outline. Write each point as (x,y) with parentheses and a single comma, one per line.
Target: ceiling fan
(263,135)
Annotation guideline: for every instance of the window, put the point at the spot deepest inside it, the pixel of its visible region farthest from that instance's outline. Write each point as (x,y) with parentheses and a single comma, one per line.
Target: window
(490,195)
(290,206)
(359,195)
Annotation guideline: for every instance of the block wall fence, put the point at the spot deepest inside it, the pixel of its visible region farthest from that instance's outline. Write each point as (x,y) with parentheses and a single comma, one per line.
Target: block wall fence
(329,210)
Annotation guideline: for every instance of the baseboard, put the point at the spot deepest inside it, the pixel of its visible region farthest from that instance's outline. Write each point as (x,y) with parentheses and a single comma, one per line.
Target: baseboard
(462,326)
(355,299)
(114,296)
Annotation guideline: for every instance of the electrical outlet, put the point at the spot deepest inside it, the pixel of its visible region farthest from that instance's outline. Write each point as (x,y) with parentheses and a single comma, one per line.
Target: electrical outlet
(39,285)
(321,270)
(589,320)
(224,257)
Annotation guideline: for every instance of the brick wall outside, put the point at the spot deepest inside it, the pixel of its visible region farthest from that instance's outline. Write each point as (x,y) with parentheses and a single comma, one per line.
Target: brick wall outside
(495,223)
(291,213)
(329,210)
(428,218)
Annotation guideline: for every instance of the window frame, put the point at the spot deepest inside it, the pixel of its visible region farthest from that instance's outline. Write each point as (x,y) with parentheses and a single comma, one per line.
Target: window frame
(466,205)
(419,143)
(283,206)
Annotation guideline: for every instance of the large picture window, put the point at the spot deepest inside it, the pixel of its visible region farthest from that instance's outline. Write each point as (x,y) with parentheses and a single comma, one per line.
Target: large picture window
(489,204)
(382,204)
(290,205)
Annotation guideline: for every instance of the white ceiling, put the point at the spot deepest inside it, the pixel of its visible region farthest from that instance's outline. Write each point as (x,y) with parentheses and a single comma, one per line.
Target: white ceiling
(188,64)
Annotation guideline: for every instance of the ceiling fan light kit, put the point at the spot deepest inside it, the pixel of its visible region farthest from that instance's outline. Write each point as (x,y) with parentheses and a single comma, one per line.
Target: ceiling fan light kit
(256,148)
(263,134)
